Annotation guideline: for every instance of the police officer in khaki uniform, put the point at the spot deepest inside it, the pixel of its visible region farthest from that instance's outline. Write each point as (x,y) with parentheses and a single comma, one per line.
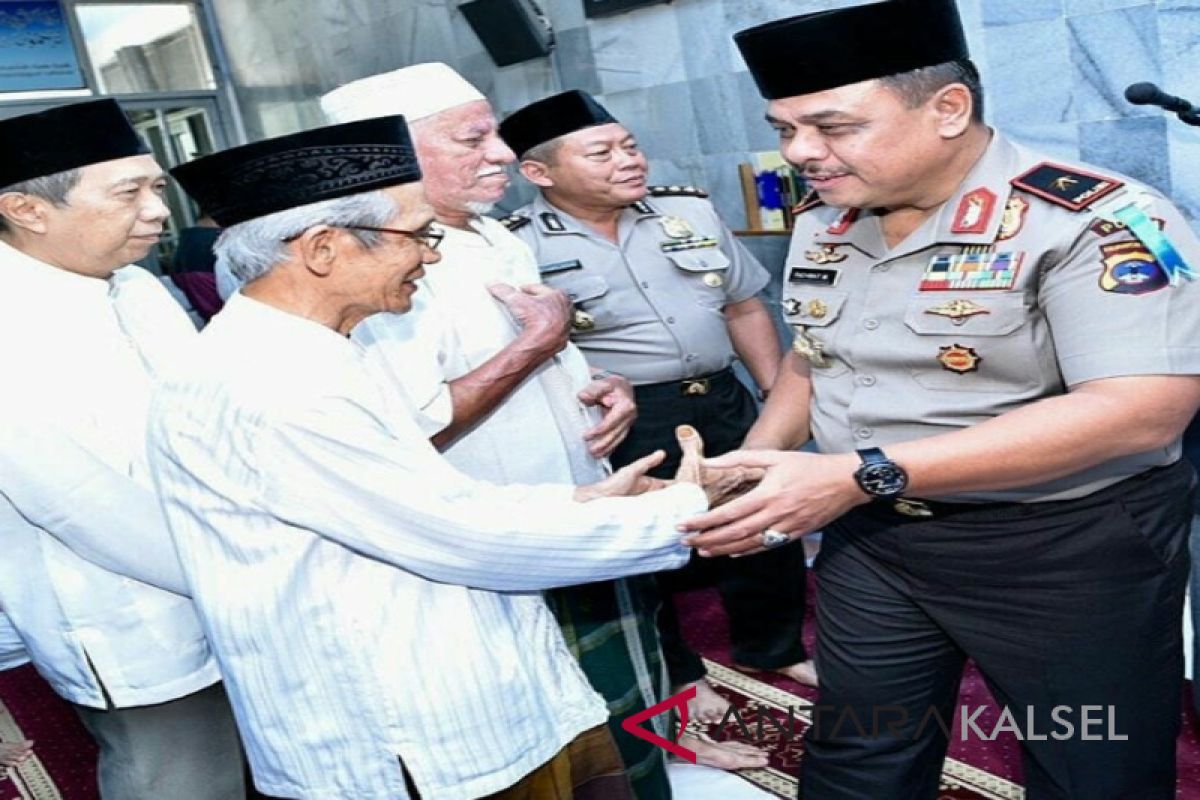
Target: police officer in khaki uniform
(1011,345)
(666,296)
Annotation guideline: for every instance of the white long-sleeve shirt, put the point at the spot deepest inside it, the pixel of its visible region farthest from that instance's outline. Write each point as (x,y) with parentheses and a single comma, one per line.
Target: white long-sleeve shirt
(88,573)
(358,589)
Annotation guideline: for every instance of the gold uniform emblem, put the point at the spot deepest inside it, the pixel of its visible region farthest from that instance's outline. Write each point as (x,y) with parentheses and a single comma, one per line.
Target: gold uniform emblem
(714,280)
(1013,218)
(828,254)
(583,321)
(810,348)
(958,311)
(677,227)
(817,309)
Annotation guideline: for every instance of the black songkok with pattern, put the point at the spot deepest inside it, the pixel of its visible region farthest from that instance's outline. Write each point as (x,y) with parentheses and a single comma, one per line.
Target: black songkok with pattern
(273,175)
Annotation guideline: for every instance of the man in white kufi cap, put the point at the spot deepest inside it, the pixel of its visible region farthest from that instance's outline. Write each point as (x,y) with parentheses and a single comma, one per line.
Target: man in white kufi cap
(485,358)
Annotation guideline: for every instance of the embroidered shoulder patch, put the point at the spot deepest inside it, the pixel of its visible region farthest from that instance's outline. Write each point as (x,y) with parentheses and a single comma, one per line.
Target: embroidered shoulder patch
(676,191)
(515,221)
(1064,186)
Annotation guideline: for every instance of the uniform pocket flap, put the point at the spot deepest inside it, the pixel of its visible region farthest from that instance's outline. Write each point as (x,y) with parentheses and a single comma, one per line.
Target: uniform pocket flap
(706,260)
(583,288)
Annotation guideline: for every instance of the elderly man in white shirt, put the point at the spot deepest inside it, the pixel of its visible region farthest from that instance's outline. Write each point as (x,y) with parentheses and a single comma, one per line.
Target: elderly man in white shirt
(498,386)
(88,574)
(374,611)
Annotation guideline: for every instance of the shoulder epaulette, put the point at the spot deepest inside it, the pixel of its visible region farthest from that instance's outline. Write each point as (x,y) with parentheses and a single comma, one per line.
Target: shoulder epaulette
(1066,186)
(676,191)
(515,221)
(807,203)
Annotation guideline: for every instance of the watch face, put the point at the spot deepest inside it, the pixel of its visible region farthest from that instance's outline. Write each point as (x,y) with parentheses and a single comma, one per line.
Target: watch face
(882,480)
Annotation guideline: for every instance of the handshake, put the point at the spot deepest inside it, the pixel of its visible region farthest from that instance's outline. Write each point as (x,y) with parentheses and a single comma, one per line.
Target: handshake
(720,484)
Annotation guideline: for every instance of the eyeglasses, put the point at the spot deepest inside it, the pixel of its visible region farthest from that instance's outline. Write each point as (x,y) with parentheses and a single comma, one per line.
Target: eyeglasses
(426,236)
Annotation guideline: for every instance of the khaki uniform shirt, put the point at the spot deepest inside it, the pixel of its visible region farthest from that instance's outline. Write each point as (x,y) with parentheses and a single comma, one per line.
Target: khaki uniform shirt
(651,306)
(1001,298)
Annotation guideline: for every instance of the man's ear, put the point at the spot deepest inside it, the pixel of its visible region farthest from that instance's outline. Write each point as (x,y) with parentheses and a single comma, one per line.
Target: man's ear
(319,248)
(953,107)
(24,211)
(536,173)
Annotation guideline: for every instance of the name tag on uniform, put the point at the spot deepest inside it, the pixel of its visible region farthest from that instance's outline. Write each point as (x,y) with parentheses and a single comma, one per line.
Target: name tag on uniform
(971,271)
(695,243)
(559,266)
(813,277)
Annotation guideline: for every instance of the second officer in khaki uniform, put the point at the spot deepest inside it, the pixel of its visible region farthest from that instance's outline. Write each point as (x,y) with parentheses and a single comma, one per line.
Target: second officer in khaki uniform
(666,296)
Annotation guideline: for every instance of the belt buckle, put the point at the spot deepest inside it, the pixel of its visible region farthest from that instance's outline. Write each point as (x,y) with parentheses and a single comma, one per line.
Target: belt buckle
(694,388)
(911,508)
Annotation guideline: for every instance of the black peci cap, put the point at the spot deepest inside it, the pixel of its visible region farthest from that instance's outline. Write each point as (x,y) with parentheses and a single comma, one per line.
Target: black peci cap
(813,52)
(258,179)
(63,138)
(551,117)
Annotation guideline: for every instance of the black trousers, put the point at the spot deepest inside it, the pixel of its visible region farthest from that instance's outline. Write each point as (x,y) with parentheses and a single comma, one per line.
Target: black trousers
(763,594)
(1062,605)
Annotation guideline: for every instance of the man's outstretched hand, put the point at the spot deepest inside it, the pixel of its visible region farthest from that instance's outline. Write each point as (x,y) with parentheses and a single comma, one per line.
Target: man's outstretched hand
(720,484)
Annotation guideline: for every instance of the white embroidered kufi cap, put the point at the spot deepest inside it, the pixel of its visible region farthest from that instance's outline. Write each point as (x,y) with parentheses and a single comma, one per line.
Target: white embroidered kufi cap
(418,91)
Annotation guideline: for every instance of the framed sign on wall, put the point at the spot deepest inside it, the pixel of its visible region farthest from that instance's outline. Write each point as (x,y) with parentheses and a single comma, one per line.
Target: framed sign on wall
(36,49)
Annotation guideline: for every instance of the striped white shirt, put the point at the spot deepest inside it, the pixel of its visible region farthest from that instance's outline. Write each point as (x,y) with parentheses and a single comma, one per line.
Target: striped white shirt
(367,602)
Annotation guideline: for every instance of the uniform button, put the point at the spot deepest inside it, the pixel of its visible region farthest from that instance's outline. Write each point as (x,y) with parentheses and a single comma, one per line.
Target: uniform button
(870,324)
(864,433)
(866,380)
(690,357)
(670,320)
(645,285)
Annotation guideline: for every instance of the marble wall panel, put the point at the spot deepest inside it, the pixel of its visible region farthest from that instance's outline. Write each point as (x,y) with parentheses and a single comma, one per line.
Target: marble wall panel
(1135,146)
(638,50)
(997,13)
(1109,51)
(1027,67)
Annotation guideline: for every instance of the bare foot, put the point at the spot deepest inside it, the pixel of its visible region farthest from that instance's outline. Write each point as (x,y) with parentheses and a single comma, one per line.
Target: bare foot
(707,706)
(13,753)
(804,672)
(724,755)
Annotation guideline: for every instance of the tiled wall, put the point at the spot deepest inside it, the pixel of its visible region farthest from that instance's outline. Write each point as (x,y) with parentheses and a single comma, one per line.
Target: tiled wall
(1054,71)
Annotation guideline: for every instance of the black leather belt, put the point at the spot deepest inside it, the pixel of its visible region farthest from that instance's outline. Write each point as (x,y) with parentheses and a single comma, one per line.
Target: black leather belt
(692,387)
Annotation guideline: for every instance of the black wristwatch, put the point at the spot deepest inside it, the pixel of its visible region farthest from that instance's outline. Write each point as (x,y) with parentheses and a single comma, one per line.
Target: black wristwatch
(879,476)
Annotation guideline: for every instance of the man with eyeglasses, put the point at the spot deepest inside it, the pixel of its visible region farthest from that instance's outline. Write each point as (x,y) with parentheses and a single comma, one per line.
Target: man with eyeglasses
(374,611)
(486,359)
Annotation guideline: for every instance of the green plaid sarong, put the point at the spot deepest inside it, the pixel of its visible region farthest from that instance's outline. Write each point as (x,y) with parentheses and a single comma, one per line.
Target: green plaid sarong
(610,628)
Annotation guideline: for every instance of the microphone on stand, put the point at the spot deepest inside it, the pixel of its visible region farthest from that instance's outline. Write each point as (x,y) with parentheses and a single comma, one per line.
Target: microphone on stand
(1147,94)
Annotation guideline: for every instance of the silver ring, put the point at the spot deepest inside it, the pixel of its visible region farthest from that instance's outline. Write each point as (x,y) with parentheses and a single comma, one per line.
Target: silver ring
(772,539)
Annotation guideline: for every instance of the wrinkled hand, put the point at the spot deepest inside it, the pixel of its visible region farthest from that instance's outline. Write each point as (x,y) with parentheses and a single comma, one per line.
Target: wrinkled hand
(542,313)
(800,493)
(13,753)
(628,481)
(720,483)
(614,396)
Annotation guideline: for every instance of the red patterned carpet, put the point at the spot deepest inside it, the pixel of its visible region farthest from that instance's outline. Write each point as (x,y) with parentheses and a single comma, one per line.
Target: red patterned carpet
(975,769)
(63,766)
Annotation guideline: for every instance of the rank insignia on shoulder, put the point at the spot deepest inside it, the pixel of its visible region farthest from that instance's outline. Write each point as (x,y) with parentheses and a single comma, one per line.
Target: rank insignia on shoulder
(559,266)
(515,221)
(1130,268)
(551,222)
(676,191)
(1065,186)
(642,207)
(958,359)
(807,203)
